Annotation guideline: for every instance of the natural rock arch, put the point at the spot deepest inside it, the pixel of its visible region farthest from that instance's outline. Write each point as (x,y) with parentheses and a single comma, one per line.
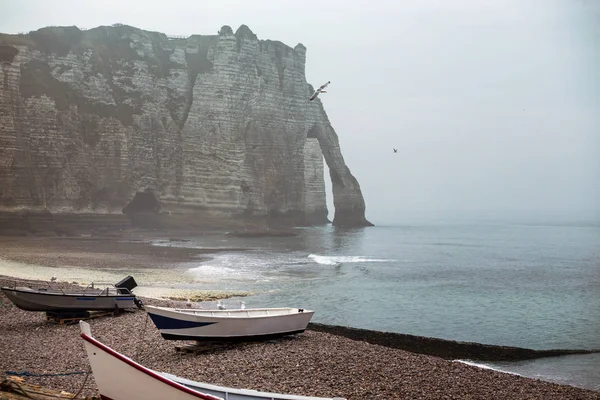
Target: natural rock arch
(348,200)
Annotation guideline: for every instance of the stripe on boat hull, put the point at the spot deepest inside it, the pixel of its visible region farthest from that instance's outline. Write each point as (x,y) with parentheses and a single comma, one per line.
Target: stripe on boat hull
(249,338)
(163,322)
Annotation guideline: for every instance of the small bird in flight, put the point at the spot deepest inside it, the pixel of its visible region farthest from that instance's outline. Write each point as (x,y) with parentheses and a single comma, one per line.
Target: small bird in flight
(395,150)
(320,90)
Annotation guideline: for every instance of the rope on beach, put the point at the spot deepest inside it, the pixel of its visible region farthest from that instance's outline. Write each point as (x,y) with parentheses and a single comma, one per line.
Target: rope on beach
(87,374)
(141,341)
(27,373)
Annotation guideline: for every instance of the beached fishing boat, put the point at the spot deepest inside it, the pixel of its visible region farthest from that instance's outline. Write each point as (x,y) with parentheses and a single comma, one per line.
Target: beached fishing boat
(228,325)
(90,298)
(120,378)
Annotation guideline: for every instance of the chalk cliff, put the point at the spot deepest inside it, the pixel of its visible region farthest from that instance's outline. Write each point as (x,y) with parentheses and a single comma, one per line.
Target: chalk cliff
(213,126)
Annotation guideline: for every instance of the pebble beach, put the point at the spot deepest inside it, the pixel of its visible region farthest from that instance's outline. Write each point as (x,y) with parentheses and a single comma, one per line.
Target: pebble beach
(313,363)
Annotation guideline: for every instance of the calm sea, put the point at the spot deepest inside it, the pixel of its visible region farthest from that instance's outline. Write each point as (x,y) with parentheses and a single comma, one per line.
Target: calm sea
(534,286)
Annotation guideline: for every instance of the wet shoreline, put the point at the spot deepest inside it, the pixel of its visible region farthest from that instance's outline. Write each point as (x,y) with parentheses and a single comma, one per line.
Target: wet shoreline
(313,363)
(109,253)
(324,361)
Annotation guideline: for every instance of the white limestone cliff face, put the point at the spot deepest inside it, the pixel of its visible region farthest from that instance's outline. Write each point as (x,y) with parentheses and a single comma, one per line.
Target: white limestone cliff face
(216,126)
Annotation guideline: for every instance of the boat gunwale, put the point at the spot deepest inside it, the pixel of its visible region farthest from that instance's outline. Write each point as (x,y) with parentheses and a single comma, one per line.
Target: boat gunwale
(66,294)
(147,371)
(164,378)
(211,313)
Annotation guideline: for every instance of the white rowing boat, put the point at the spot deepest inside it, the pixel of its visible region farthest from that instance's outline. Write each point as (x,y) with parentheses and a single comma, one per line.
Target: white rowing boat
(228,325)
(120,378)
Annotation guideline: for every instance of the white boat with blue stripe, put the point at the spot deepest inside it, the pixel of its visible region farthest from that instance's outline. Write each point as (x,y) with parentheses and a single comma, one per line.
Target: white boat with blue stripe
(228,325)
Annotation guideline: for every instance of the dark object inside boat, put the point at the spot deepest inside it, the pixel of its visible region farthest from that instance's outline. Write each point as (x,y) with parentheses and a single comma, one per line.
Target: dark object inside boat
(126,285)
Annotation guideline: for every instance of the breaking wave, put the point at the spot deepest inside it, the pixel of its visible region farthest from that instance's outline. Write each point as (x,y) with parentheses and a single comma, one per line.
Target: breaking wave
(338,260)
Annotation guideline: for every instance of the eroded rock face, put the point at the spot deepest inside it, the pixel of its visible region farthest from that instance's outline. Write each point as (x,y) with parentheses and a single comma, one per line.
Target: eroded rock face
(218,126)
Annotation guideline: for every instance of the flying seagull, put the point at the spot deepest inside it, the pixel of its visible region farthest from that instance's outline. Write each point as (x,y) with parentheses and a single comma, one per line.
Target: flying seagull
(395,150)
(320,90)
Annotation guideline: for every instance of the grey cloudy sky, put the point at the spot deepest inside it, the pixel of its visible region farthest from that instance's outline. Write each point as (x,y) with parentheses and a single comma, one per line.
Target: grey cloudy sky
(494,105)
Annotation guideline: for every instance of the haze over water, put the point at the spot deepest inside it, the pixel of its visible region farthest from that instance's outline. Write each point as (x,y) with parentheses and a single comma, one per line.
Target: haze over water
(533,286)
(495,109)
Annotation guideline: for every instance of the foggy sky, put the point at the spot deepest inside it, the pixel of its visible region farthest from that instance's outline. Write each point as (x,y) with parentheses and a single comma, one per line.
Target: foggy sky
(494,105)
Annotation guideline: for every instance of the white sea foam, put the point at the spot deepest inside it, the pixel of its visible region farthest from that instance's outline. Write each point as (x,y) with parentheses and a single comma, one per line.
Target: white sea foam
(484,366)
(337,260)
(207,272)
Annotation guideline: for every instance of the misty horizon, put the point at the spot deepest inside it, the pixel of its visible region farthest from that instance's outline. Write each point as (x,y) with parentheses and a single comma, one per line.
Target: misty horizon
(494,108)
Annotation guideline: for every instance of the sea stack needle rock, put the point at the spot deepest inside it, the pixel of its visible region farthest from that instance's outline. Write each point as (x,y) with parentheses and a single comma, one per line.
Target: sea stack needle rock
(216,128)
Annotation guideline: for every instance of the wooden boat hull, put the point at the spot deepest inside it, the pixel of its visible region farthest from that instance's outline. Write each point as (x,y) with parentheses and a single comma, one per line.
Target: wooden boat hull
(120,378)
(36,300)
(228,325)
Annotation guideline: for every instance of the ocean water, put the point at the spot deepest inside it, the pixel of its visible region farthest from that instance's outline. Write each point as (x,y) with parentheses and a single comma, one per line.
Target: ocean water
(533,286)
